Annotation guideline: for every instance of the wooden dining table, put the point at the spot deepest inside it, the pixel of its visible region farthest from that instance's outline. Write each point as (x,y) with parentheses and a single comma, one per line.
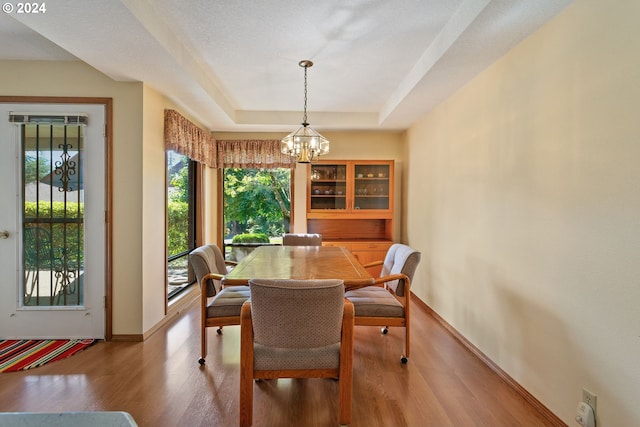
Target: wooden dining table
(300,262)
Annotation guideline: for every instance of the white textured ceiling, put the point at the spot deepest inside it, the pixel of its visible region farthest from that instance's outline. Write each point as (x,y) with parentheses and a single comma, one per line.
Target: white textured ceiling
(233,64)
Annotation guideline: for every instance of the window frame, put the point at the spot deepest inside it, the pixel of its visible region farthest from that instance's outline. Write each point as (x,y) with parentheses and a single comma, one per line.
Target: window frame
(193,227)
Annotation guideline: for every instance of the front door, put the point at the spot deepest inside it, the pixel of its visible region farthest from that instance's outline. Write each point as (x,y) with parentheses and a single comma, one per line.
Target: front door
(52,221)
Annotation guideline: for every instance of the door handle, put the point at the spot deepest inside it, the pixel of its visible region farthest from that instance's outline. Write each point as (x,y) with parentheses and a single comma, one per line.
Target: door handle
(4,234)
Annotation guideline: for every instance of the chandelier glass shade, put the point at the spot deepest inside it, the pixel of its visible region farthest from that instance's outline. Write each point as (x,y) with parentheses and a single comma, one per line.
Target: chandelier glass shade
(305,144)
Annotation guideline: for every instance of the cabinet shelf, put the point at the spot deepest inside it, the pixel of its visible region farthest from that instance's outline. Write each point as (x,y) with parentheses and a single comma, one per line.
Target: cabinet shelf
(366,186)
(363,211)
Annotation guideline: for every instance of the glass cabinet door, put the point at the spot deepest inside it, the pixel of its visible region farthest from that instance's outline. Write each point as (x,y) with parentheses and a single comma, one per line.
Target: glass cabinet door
(371,186)
(328,187)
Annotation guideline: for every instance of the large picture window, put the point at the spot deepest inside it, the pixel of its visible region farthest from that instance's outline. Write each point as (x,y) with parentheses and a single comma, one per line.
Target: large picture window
(257,208)
(181,224)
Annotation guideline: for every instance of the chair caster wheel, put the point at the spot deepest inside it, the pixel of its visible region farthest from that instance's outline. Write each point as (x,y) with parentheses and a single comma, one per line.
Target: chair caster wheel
(384,331)
(201,361)
(219,331)
(404,360)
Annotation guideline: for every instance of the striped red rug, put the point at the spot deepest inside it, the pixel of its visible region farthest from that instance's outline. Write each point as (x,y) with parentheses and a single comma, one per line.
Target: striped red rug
(20,355)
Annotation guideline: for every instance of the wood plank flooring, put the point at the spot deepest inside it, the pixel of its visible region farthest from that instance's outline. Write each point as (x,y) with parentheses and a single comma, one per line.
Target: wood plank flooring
(160,383)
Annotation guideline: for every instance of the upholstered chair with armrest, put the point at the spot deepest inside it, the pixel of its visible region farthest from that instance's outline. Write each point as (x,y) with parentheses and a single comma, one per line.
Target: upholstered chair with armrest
(301,239)
(296,329)
(387,302)
(219,305)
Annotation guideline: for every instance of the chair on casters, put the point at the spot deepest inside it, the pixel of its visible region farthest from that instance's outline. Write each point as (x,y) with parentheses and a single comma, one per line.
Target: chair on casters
(291,239)
(219,306)
(296,329)
(387,302)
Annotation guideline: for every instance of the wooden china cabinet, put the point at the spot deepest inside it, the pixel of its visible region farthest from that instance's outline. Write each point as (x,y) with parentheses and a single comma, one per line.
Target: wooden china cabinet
(350,202)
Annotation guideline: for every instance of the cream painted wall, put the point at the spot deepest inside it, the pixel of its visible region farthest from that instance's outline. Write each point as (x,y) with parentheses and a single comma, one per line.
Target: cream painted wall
(356,145)
(523,197)
(154,205)
(209,208)
(46,78)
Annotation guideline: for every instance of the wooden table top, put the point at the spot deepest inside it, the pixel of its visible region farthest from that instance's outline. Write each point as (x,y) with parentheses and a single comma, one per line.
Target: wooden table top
(300,262)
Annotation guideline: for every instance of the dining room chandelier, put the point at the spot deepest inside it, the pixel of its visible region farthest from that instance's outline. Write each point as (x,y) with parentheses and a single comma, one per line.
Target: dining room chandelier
(305,144)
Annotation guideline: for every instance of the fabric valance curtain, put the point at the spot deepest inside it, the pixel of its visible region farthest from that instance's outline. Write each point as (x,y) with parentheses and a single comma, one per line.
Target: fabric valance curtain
(186,138)
(252,153)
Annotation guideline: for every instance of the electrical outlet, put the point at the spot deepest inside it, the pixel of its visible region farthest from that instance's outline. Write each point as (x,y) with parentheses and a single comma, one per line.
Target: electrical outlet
(589,398)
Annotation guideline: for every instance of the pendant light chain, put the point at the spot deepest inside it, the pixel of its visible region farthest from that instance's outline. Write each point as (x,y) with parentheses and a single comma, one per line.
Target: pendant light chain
(304,117)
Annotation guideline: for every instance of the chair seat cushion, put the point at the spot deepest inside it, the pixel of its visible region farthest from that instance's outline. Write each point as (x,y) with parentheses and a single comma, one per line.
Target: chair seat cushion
(374,301)
(269,358)
(228,302)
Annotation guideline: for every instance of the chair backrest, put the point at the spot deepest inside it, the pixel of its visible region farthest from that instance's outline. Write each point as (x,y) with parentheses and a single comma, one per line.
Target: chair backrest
(297,314)
(400,259)
(204,260)
(301,239)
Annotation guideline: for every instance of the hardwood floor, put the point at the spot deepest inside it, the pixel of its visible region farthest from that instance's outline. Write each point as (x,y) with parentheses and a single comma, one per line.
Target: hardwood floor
(160,383)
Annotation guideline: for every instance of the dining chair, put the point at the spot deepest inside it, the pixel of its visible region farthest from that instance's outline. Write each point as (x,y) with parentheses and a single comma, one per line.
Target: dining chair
(387,301)
(296,329)
(301,239)
(219,305)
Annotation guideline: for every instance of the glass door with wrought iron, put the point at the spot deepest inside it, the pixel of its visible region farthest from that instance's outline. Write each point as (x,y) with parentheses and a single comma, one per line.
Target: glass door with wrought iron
(53,258)
(53,211)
